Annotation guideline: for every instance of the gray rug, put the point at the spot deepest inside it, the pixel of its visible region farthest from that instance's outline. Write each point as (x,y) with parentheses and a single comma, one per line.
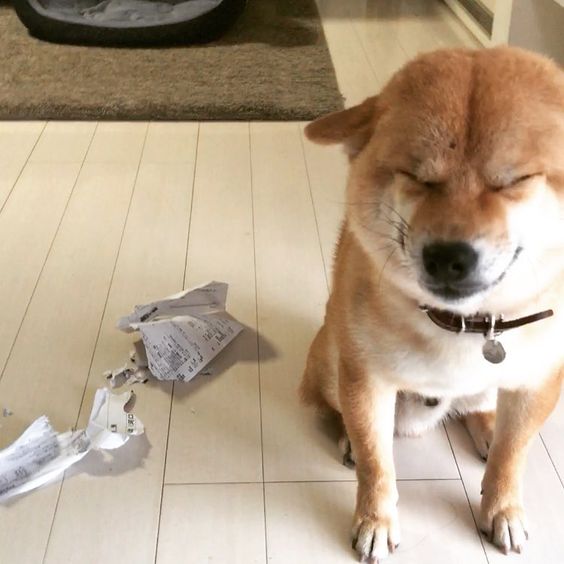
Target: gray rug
(273,65)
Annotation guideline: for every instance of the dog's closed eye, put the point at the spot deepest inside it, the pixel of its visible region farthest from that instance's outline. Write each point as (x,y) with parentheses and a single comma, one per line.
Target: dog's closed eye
(514,182)
(414,178)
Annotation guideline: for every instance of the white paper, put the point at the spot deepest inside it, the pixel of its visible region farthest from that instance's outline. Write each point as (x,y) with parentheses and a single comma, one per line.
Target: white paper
(203,300)
(40,454)
(179,348)
(184,332)
(127,376)
(139,355)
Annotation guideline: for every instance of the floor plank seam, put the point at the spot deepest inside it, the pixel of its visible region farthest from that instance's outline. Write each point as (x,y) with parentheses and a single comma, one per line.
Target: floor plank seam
(14,184)
(335,481)
(551,460)
(163,478)
(191,206)
(258,341)
(467,496)
(116,261)
(324,19)
(163,483)
(48,253)
(325,266)
(95,346)
(55,509)
(60,485)
(361,42)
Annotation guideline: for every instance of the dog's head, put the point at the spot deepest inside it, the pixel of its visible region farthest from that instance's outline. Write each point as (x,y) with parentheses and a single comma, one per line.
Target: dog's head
(456,182)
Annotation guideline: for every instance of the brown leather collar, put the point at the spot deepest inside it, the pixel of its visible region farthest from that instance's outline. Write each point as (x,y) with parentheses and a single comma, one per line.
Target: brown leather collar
(480,323)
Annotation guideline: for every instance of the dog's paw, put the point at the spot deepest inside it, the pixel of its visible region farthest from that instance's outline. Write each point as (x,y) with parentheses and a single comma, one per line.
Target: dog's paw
(506,528)
(345,448)
(375,537)
(482,444)
(480,426)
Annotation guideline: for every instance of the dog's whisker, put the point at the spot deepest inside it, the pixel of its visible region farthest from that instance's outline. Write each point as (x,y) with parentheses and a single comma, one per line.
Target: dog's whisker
(380,204)
(369,227)
(392,209)
(384,268)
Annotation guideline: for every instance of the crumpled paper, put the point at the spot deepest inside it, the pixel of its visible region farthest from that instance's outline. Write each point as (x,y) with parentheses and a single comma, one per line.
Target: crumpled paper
(181,334)
(40,454)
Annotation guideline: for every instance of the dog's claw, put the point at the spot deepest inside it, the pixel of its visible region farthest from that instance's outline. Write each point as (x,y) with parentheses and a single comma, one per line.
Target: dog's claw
(507,530)
(375,538)
(348,461)
(348,458)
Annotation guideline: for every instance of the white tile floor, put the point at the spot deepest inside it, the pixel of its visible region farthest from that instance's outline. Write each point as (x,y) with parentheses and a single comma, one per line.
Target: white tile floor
(98,217)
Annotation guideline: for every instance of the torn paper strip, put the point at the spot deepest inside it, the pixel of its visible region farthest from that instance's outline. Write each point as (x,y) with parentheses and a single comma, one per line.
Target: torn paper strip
(184,332)
(40,454)
(202,300)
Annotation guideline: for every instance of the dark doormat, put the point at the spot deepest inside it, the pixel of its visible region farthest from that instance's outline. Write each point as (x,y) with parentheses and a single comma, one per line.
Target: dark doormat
(274,64)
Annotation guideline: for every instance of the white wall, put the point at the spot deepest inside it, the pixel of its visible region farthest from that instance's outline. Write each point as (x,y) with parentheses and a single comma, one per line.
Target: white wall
(538,25)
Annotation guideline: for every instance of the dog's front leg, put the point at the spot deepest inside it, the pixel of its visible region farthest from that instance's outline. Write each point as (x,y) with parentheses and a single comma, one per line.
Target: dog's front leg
(520,415)
(368,407)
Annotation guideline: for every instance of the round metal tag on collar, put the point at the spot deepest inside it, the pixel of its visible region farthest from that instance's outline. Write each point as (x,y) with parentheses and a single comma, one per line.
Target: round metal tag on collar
(493,350)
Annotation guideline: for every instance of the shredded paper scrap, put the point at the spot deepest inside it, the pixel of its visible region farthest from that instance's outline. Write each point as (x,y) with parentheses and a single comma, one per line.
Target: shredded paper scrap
(40,454)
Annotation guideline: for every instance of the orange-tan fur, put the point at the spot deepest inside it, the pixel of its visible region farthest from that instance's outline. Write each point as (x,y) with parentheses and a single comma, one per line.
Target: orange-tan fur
(443,143)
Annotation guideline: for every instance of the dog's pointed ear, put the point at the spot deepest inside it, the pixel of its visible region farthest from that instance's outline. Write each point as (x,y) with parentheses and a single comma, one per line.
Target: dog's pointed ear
(352,127)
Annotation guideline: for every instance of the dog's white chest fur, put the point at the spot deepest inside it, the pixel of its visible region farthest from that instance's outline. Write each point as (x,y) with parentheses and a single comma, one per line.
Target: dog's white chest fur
(452,365)
(453,369)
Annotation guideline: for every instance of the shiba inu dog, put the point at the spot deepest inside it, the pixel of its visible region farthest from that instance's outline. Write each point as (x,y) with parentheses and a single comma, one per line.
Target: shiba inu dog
(448,287)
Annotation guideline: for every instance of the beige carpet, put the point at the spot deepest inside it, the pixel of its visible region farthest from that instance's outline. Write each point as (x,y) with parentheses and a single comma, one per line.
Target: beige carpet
(273,65)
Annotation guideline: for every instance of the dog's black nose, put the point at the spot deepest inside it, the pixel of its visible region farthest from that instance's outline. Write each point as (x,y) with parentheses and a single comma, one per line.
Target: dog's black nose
(449,262)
